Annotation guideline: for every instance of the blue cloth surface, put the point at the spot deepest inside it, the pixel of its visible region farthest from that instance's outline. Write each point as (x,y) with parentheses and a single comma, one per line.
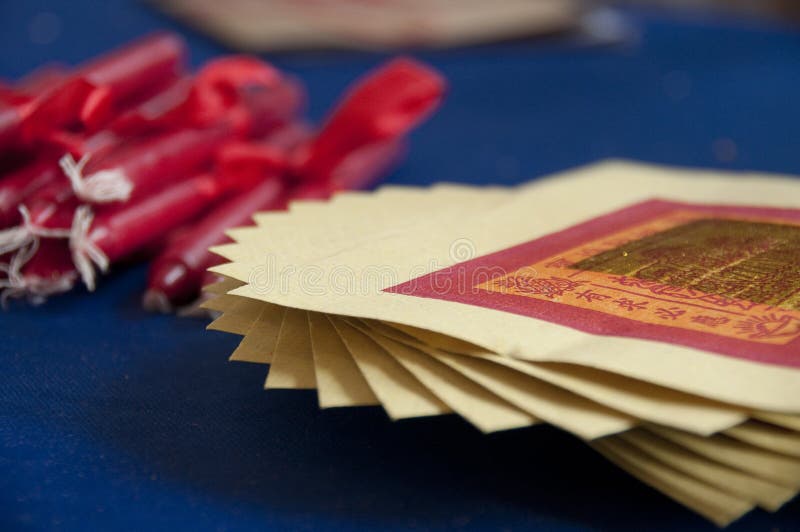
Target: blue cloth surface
(115,419)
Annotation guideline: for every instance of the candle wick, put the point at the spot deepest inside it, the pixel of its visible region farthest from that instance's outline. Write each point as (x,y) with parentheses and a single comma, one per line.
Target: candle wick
(104,186)
(23,240)
(37,289)
(85,253)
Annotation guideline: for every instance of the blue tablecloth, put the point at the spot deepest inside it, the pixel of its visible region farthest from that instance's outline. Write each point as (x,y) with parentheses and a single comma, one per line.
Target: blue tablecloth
(115,419)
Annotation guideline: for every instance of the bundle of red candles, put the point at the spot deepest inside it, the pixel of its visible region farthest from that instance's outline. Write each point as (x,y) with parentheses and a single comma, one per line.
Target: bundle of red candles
(132,155)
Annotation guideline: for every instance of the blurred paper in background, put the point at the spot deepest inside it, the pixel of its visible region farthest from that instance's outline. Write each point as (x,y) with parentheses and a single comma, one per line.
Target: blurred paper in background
(261,25)
(266,25)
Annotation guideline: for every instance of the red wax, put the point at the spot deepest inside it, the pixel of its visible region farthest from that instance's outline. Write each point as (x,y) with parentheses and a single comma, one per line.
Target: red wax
(96,145)
(94,92)
(138,66)
(120,232)
(148,164)
(163,110)
(256,160)
(176,275)
(10,124)
(364,167)
(51,261)
(383,105)
(250,94)
(16,187)
(48,272)
(42,79)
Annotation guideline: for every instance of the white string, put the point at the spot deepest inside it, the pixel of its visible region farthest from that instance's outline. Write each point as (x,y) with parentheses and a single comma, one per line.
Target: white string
(101,187)
(35,288)
(15,238)
(26,235)
(85,253)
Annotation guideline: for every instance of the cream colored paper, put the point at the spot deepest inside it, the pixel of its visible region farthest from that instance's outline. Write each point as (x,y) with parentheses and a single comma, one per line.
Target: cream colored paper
(766,494)
(222,287)
(716,505)
(572,413)
(586,365)
(591,192)
(259,343)
(238,317)
(764,464)
(638,399)
(782,420)
(292,362)
(339,381)
(709,417)
(401,395)
(767,437)
(316,229)
(476,404)
(222,302)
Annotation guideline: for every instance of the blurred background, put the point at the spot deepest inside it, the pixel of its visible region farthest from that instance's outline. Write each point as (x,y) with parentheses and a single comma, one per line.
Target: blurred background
(377,24)
(147,426)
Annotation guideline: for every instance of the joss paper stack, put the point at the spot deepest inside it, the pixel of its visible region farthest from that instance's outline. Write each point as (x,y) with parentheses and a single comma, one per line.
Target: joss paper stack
(652,312)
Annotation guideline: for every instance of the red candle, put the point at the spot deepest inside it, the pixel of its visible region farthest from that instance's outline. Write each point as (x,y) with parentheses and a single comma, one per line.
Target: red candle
(176,275)
(139,67)
(140,168)
(384,105)
(364,167)
(10,126)
(135,170)
(164,110)
(15,106)
(129,173)
(96,91)
(47,271)
(96,145)
(42,79)
(17,187)
(251,94)
(115,233)
(258,159)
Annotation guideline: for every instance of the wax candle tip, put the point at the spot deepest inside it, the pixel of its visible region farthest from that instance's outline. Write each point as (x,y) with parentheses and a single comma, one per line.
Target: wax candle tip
(155,301)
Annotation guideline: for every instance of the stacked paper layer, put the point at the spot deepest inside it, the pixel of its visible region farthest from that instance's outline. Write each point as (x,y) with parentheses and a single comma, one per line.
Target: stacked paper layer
(652,312)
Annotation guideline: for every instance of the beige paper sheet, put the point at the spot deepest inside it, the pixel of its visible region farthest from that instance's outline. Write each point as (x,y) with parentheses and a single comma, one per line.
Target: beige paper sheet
(767,437)
(222,302)
(339,381)
(317,229)
(782,420)
(563,409)
(292,362)
(661,406)
(485,410)
(591,191)
(714,504)
(401,395)
(774,467)
(637,398)
(768,495)
(258,345)
(222,287)
(238,317)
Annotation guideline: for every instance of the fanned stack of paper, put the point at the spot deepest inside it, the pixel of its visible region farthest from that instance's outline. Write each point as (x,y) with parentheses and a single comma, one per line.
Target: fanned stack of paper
(652,312)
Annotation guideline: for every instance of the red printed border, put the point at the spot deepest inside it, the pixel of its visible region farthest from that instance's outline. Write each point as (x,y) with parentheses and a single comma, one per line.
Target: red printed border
(592,321)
